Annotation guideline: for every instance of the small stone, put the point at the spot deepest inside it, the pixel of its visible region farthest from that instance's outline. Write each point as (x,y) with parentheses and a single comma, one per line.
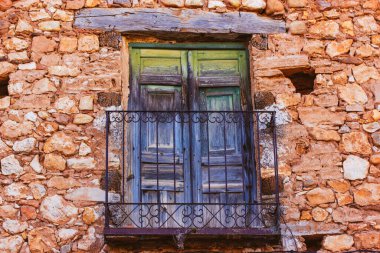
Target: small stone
(81,163)
(306,215)
(53,59)
(42,239)
(348,27)
(27,66)
(324,135)
(338,48)
(297,3)
(312,116)
(47,128)
(367,240)
(319,214)
(173,3)
(54,162)
(68,44)
(355,168)
(14,226)
(367,194)
(23,27)
(319,196)
(16,191)
(81,119)
(92,3)
(371,127)
(86,103)
(11,244)
(91,194)
(375,159)
(64,71)
(288,99)
(39,15)
(314,47)
(4,6)
(353,94)
(364,51)
(51,26)
(376,138)
(253,5)
(363,73)
(26,145)
(28,213)
(356,142)
(8,211)
(5,102)
(10,165)
(233,3)
(366,24)
(16,44)
(194,3)
(18,57)
(75,4)
(344,129)
(63,15)
(88,43)
(346,214)
(4,149)
(31,116)
(43,86)
(375,39)
(56,210)
(35,164)
(65,248)
(60,142)
(65,105)
(88,241)
(41,44)
(354,108)
(339,185)
(89,215)
(84,149)
(62,183)
(5,69)
(338,242)
(274,7)
(215,4)
(326,100)
(326,29)
(375,114)
(344,198)
(67,233)
(53,3)
(38,190)
(297,27)
(371,4)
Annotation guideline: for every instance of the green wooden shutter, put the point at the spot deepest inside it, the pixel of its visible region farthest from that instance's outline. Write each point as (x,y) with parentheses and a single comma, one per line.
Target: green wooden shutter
(196,80)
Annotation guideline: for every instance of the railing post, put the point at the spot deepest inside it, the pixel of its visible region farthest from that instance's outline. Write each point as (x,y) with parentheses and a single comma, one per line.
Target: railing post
(277,189)
(106,175)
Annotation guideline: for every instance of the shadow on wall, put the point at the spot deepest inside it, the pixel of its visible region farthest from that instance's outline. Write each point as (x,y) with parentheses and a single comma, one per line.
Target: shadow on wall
(302,81)
(4,87)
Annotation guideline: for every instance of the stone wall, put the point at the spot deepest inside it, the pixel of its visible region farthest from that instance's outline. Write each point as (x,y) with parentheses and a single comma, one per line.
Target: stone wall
(62,79)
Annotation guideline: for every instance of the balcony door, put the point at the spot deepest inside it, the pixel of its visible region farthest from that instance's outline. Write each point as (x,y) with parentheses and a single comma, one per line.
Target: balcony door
(191,144)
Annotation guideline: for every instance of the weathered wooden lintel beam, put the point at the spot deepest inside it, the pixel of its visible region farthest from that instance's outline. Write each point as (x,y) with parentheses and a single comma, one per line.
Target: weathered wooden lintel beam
(132,20)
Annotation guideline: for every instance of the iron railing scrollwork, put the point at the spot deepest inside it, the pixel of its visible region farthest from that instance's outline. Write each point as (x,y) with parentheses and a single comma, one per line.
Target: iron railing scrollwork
(191,172)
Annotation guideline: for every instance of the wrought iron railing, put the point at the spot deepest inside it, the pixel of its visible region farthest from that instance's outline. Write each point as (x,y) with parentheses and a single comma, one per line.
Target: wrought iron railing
(200,172)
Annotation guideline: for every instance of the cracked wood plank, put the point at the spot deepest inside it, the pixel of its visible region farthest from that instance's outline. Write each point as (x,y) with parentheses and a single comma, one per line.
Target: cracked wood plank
(144,20)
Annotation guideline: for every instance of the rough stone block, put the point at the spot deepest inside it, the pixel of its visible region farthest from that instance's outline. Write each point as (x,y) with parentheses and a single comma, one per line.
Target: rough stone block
(106,99)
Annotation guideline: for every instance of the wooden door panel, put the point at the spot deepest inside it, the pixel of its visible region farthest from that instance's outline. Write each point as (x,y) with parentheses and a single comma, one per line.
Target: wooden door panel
(219,78)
